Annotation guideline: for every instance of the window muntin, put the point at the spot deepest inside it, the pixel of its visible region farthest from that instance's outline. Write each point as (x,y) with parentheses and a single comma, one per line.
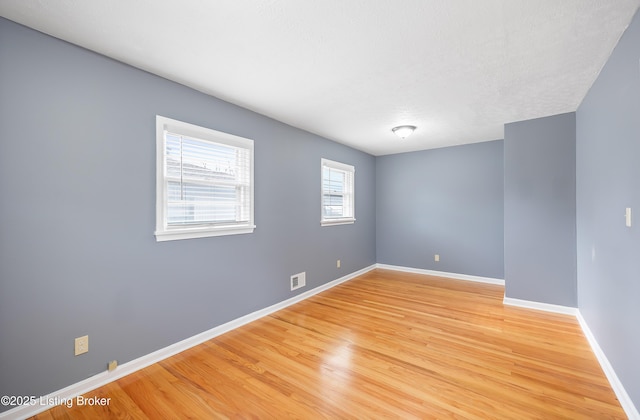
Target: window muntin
(205,182)
(337,193)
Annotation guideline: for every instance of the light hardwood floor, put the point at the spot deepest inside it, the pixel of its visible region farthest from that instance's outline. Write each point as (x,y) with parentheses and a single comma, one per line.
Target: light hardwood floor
(384,345)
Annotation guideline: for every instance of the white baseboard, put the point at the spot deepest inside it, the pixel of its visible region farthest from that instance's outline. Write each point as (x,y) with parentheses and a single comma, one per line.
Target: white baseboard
(625,401)
(103,378)
(442,274)
(547,307)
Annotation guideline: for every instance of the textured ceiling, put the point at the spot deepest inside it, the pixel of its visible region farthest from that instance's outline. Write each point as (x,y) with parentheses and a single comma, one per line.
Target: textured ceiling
(350,70)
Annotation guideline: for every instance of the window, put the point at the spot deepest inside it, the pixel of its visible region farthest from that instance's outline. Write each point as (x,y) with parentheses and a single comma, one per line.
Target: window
(337,193)
(204,182)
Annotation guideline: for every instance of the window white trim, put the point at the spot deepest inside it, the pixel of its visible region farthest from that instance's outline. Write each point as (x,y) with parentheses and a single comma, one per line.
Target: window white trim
(166,232)
(348,193)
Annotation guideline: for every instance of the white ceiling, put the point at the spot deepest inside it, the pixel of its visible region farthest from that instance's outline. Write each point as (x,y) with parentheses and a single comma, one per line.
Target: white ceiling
(350,70)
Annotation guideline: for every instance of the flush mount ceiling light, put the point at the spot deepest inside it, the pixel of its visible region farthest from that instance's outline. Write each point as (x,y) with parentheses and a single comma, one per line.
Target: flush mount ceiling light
(403,131)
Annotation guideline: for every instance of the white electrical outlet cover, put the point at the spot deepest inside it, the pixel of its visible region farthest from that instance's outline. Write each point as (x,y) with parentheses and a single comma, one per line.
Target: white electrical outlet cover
(81,345)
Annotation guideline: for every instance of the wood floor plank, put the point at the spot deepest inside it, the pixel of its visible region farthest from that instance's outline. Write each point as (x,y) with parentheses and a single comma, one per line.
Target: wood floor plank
(384,345)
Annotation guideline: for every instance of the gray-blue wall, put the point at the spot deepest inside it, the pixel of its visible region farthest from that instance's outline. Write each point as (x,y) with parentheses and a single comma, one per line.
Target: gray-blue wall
(608,181)
(77,181)
(77,216)
(445,201)
(540,210)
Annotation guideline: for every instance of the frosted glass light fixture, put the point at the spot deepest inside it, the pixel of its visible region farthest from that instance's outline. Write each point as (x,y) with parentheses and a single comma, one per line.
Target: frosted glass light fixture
(403,131)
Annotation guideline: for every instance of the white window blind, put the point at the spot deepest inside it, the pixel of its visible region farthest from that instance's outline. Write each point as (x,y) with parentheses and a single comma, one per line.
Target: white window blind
(205,182)
(338,201)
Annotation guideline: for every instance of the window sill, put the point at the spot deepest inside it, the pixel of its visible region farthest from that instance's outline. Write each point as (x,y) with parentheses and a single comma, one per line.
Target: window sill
(335,222)
(174,235)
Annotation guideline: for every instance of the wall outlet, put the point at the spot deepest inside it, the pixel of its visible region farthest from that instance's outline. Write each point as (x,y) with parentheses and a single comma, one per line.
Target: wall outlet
(298,280)
(436,257)
(338,264)
(112,365)
(81,345)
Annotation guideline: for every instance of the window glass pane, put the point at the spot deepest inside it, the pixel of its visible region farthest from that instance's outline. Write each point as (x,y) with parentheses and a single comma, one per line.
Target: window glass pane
(337,191)
(207,181)
(174,191)
(333,205)
(333,180)
(172,155)
(208,161)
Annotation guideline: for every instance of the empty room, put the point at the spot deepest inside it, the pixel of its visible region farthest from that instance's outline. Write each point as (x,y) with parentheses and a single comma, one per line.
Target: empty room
(335,209)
